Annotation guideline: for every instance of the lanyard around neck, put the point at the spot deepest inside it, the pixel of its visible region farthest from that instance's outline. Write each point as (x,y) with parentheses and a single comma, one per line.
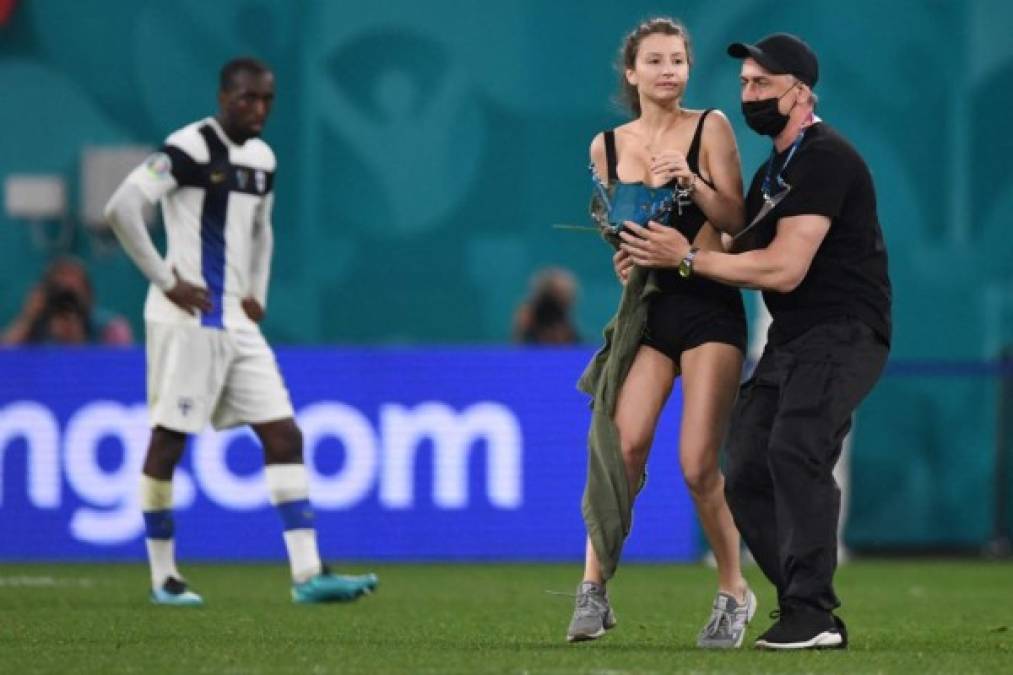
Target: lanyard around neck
(770,167)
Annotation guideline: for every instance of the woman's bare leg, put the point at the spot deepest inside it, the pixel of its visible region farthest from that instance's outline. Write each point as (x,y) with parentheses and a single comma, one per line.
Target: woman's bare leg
(710,378)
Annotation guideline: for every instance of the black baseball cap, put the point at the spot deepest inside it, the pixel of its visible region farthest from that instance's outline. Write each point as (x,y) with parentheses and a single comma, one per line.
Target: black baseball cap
(781,54)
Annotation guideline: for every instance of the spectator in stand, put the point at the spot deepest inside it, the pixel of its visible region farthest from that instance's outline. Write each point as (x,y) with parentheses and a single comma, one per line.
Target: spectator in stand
(545,316)
(61,309)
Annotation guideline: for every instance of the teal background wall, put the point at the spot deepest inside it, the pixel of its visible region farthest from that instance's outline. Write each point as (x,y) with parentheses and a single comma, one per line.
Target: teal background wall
(426,149)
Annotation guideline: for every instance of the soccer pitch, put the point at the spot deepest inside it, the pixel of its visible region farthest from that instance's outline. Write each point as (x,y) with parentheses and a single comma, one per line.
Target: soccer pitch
(904,616)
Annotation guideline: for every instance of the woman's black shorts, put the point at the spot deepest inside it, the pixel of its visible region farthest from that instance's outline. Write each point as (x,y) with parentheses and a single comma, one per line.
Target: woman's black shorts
(679,322)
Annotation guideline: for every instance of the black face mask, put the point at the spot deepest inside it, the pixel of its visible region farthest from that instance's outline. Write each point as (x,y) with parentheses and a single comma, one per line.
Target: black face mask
(763,117)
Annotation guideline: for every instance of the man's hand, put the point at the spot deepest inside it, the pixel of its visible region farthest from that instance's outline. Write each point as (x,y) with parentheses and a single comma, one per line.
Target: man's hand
(622,264)
(253,309)
(654,245)
(188,297)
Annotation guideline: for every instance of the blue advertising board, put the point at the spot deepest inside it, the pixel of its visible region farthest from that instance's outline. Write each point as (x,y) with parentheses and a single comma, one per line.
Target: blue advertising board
(414,454)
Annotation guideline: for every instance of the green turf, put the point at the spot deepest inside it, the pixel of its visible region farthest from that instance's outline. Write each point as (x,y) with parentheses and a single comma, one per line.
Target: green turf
(922,617)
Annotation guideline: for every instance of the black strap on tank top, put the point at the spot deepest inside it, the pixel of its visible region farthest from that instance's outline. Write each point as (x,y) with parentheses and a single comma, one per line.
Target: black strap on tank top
(693,156)
(611,161)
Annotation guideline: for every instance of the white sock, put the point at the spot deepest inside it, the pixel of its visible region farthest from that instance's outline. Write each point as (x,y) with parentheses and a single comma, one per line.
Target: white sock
(303,558)
(288,487)
(162,559)
(156,503)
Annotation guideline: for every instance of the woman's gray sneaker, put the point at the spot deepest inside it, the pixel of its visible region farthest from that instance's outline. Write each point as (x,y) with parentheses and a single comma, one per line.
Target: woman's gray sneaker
(592,616)
(727,625)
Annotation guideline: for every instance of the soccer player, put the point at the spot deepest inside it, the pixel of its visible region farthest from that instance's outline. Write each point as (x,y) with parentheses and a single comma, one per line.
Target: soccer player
(206,357)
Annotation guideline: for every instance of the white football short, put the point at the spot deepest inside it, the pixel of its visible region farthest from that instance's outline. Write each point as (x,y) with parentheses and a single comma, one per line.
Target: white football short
(227,377)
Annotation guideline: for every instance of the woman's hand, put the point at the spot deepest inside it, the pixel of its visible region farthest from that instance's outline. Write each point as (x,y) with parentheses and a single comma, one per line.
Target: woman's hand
(670,164)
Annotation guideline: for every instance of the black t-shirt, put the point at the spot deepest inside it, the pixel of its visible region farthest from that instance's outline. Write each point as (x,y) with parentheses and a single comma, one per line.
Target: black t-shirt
(848,275)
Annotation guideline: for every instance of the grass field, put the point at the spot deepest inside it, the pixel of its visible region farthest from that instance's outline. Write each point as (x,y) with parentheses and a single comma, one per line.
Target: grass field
(904,617)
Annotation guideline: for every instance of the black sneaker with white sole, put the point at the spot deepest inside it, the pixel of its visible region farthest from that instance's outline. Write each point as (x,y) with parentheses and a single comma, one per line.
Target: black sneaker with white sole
(803,627)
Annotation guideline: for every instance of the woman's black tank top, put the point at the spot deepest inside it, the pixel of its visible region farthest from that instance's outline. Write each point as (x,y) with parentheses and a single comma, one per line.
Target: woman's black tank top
(688,223)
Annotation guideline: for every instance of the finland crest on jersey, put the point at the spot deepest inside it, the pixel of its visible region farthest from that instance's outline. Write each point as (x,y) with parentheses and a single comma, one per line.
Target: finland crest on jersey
(214,195)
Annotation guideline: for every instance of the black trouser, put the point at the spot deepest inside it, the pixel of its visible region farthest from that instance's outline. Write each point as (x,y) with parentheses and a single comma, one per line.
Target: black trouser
(785,438)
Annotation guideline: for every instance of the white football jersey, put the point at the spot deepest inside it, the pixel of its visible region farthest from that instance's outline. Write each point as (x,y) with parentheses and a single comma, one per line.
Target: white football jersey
(214,195)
